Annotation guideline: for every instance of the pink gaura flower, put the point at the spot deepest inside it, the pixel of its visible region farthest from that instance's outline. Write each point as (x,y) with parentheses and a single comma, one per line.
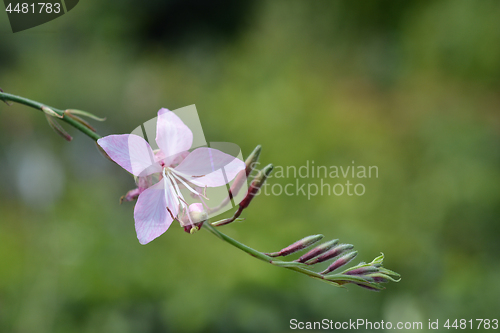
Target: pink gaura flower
(174,166)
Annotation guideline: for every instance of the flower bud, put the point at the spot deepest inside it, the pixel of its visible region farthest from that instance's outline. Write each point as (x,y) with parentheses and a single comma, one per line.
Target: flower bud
(332,253)
(297,246)
(318,250)
(242,176)
(345,259)
(372,287)
(369,276)
(193,222)
(143,183)
(256,184)
(252,159)
(362,270)
(131,195)
(380,278)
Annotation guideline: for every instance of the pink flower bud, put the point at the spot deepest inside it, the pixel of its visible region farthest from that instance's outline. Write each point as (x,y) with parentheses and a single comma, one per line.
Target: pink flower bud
(379,277)
(256,184)
(252,160)
(241,177)
(297,246)
(131,195)
(318,250)
(372,287)
(193,222)
(345,259)
(362,270)
(338,250)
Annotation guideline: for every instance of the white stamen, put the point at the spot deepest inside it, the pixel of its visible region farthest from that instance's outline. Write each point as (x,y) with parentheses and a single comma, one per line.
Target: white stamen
(178,192)
(204,204)
(165,185)
(172,176)
(183,175)
(189,187)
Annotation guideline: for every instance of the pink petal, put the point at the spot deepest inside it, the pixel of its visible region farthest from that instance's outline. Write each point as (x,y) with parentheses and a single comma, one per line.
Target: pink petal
(131,152)
(172,203)
(207,166)
(150,213)
(172,135)
(172,160)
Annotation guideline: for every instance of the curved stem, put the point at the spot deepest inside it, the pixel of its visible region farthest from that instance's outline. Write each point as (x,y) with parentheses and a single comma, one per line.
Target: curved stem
(259,255)
(36,105)
(237,244)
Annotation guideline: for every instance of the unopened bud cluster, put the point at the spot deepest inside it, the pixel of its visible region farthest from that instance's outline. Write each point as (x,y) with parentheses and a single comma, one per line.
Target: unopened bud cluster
(369,276)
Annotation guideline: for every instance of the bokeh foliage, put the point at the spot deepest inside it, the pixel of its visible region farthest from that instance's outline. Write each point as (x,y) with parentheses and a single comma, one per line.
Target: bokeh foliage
(411,87)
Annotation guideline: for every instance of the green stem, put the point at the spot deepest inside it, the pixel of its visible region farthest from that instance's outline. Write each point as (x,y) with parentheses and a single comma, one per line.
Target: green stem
(237,244)
(36,105)
(259,255)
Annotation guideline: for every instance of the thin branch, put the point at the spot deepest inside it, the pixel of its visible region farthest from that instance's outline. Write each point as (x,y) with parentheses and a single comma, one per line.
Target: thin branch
(39,106)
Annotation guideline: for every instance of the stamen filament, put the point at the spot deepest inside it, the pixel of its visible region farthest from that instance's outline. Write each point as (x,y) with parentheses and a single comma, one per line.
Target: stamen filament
(204,204)
(171,189)
(188,187)
(185,176)
(178,192)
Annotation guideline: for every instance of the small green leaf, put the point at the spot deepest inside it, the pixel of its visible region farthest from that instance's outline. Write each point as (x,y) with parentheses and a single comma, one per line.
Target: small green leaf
(383,277)
(85,114)
(389,272)
(80,120)
(50,112)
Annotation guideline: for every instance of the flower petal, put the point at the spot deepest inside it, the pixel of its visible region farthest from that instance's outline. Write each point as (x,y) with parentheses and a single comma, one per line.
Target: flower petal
(172,160)
(172,135)
(172,201)
(150,213)
(208,166)
(131,152)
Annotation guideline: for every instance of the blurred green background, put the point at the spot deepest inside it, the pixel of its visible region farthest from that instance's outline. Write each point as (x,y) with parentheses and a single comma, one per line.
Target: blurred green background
(409,86)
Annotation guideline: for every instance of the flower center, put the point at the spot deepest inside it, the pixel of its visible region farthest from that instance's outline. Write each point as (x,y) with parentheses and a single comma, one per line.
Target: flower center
(172,179)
